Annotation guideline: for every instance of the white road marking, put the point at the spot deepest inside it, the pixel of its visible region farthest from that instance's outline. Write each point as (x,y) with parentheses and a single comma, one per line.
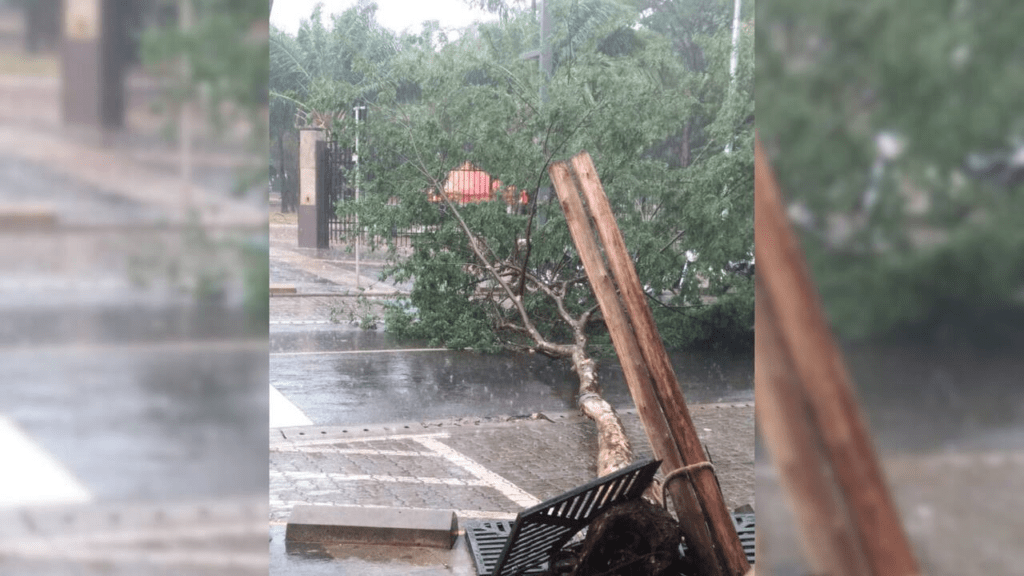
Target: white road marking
(283,413)
(356,451)
(318,441)
(508,489)
(30,476)
(353,352)
(485,514)
(336,477)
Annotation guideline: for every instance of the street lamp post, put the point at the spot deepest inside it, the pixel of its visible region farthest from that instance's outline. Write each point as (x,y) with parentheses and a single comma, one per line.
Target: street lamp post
(543,56)
(355,158)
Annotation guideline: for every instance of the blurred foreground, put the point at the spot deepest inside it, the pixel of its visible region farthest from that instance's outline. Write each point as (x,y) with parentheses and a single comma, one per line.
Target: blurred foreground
(133,351)
(896,133)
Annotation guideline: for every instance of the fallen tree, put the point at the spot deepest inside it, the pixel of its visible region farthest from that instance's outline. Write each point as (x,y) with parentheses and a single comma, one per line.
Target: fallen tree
(513,293)
(490,275)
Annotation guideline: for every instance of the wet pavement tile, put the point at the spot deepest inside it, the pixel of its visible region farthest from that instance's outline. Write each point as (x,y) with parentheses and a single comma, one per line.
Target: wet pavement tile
(497,469)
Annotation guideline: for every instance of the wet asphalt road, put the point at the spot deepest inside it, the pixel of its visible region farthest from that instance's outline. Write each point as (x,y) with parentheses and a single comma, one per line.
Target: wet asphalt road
(339,375)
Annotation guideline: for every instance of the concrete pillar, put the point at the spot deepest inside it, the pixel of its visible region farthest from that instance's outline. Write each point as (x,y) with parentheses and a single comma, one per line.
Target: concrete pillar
(92,78)
(311,143)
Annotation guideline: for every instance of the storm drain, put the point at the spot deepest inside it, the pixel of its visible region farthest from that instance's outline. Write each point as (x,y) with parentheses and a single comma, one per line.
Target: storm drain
(744,524)
(745,528)
(503,548)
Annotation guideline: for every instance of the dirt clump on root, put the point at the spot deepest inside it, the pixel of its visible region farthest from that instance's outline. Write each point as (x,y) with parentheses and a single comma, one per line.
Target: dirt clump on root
(632,539)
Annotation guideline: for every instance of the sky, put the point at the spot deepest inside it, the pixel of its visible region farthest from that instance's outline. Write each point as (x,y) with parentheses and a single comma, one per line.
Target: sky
(397,15)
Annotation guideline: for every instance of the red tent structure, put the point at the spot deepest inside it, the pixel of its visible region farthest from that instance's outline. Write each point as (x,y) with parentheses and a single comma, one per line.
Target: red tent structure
(468,184)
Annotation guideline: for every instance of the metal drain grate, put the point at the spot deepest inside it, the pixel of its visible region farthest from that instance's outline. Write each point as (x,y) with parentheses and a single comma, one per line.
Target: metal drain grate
(487,539)
(502,548)
(745,528)
(744,524)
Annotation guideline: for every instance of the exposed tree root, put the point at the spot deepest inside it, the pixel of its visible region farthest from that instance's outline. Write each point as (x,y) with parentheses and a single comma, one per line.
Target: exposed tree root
(632,539)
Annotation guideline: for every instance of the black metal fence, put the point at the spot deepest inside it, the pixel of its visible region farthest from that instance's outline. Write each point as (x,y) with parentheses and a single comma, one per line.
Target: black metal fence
(338,173)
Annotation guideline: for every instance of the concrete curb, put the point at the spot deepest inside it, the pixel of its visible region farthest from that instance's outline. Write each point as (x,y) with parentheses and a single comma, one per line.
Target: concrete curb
(353,524)
(356,431)
(27,217)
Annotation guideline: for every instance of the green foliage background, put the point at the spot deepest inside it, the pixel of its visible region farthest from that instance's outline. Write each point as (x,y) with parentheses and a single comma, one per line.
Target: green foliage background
(655,113)
(944,240)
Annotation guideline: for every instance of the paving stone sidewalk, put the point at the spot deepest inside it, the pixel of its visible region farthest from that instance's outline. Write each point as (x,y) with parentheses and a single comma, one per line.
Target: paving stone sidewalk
(480,468)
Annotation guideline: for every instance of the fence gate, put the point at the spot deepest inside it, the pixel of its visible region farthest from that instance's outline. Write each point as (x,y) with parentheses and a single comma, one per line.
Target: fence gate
(336,170)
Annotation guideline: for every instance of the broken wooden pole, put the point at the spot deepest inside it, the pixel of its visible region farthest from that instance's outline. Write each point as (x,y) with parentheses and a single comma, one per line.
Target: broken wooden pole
(666,385)
(635,371)
(823,382)
(700,506)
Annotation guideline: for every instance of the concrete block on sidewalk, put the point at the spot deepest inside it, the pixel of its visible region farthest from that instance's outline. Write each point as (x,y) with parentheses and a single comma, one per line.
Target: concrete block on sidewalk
(358,525)
(27,217)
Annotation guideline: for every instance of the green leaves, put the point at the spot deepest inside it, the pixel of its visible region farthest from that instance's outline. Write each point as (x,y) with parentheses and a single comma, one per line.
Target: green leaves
(620,89)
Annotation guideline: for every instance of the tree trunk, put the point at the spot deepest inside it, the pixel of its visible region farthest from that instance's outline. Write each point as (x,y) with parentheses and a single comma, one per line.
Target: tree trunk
(613,449)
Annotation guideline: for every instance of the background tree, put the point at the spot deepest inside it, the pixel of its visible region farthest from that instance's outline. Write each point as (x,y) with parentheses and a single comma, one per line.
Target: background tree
(488,277)
(476,99)
(492,277)
(898,137)
(318,74)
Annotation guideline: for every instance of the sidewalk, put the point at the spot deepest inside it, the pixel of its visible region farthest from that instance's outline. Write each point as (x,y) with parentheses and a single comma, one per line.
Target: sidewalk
(481,468)
(138,163)
(314,272)
(117,172)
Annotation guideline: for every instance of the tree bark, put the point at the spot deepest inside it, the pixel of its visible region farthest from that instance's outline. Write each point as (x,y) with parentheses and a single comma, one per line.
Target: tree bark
(613,449)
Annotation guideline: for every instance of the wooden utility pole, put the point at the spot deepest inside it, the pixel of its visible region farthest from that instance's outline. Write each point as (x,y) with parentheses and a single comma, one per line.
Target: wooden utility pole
(804,399)
(704,518)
